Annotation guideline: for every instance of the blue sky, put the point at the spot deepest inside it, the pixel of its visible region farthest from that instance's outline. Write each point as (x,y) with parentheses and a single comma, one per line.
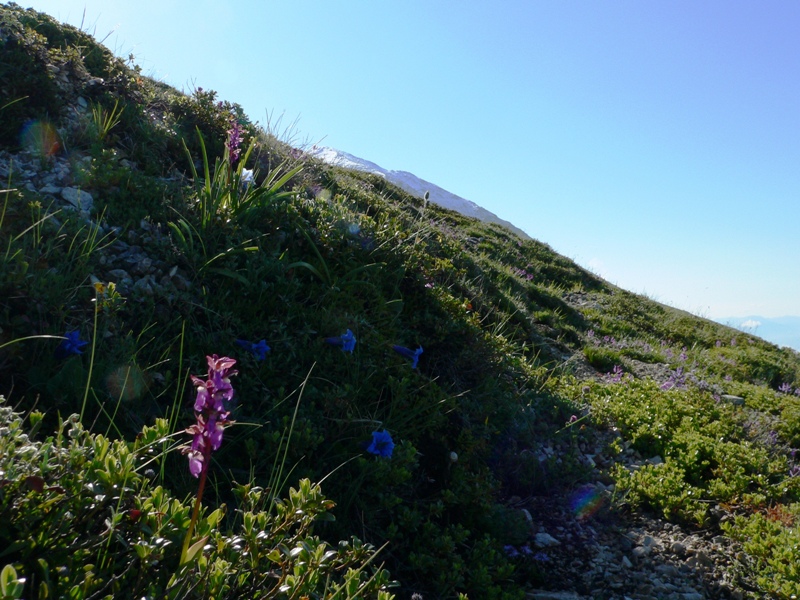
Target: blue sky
(655,143)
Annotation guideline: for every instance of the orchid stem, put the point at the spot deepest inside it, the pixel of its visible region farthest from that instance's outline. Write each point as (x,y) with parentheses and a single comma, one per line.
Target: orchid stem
(196,510)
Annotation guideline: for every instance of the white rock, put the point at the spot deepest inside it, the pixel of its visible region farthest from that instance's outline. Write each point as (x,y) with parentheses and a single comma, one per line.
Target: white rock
(50,189)
(545,540)
(678,548)
(143,286)
(735,400)
(78,198)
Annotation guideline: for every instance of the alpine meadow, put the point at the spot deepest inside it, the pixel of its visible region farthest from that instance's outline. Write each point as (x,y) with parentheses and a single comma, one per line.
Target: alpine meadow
(230,370)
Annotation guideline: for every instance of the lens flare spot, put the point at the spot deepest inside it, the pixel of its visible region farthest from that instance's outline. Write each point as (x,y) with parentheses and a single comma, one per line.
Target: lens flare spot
(40,137)
(127,382)
(586,501)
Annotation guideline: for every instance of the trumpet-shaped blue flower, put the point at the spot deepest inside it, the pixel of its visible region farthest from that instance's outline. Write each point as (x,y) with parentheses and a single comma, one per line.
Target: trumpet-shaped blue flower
(258,350)
(71,345)
(346,341)
(412,355)
(381,444)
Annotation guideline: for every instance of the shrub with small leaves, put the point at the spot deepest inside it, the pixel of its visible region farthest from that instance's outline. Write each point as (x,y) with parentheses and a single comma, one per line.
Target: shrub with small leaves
(80,521)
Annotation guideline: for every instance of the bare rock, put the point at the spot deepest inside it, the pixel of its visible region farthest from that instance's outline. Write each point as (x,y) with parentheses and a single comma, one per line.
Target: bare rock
(78,198)
(545,540)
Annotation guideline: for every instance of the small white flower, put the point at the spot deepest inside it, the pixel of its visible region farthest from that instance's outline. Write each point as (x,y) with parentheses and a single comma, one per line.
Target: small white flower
(247,176)
(453,457)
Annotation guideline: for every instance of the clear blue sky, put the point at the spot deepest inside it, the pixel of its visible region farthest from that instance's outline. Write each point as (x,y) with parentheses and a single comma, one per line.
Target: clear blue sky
(657,143)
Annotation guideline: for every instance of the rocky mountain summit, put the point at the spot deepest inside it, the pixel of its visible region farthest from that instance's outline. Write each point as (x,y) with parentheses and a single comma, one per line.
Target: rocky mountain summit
(414,185)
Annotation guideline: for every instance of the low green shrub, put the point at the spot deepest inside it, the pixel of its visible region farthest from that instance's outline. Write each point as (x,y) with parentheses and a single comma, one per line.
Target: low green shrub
(80,518)
(703,451)
(771,542)
(602,359)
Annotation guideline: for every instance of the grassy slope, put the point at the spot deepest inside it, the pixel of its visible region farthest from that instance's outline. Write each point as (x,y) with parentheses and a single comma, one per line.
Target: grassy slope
(503,323)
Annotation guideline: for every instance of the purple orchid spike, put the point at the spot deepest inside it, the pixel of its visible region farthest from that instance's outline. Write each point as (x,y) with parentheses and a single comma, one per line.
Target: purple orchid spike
(210,412)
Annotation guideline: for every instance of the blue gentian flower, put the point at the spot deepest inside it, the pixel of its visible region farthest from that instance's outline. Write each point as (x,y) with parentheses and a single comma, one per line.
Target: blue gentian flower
(382,444)
(346,341)
(71,345)
(412,355)
(258,350)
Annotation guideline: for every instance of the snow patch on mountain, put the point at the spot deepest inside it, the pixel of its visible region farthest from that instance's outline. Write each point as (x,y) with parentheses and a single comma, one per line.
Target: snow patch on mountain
(413,185)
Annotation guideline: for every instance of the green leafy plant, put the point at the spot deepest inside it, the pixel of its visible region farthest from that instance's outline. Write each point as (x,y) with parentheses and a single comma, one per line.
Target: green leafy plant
(227,196)
(94,489)
(11,586)
(103,121)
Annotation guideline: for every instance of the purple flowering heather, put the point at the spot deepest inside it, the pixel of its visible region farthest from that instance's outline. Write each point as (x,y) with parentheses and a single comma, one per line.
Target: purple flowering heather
(616,374)
(210,412)
(676,380)
(541,557)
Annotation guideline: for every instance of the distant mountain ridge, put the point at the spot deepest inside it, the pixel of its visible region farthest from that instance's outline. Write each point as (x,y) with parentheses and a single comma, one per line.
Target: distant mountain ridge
(784,331)
(415,186)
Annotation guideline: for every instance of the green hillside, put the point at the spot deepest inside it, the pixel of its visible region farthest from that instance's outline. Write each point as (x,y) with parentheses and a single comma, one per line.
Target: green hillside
(490,380)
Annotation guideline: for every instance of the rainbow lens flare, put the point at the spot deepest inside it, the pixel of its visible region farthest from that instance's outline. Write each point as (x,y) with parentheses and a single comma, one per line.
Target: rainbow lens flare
(586,501)
(41,138)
